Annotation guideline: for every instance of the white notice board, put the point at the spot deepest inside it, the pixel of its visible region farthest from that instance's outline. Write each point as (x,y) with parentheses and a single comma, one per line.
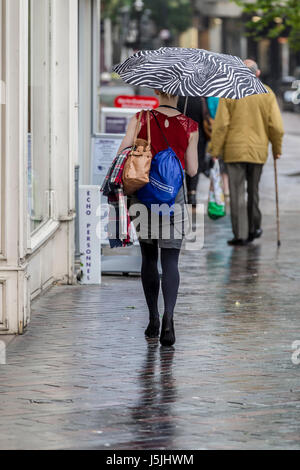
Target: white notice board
(104,149)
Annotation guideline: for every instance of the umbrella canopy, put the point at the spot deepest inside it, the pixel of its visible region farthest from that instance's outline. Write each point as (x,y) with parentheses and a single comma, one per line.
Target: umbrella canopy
(190,72)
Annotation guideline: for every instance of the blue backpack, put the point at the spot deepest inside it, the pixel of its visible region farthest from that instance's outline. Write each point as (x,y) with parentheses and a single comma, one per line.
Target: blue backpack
(165,179)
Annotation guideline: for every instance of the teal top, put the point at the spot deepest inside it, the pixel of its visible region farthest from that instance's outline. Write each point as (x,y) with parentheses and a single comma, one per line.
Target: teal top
(212,104)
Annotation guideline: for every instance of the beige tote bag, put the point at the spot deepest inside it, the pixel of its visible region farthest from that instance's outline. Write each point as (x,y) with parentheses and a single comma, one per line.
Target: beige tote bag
(137,167)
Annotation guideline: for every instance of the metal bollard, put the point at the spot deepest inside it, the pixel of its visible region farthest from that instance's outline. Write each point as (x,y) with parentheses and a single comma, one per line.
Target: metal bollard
(78,270)
(77,249)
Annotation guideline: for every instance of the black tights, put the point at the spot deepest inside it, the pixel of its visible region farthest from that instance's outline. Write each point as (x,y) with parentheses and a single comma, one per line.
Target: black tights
(151,281)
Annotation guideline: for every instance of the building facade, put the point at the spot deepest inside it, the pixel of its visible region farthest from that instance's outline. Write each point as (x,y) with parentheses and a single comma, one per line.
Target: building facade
(39,151)
(221,28)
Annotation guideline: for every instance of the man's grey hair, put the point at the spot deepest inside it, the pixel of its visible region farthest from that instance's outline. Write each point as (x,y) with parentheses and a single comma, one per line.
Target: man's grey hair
(252,65)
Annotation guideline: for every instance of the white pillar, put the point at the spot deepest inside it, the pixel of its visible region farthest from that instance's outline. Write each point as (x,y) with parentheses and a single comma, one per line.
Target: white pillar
(85,88)
(96,66)
(107,44)
(215,35)
(243,47)
(285,57)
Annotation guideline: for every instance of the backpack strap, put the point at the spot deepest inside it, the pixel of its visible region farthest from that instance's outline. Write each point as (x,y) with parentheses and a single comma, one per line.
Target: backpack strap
(180,166)
(157,122)
(137,128)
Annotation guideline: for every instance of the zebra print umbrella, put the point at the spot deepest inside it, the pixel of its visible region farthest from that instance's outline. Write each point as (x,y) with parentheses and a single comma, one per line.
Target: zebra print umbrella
(190,72)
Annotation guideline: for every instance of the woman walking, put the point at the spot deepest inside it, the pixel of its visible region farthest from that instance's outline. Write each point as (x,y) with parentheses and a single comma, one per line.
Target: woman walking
(181,133)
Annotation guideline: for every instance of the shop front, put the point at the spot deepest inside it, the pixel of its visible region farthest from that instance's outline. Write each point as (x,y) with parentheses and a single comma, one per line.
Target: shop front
(39,152)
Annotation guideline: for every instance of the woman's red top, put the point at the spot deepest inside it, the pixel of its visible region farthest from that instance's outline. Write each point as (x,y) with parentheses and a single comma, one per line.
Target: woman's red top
(177,133)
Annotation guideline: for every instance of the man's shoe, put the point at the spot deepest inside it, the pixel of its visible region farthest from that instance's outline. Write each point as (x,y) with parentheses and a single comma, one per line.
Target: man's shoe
(237,242)
(257,234)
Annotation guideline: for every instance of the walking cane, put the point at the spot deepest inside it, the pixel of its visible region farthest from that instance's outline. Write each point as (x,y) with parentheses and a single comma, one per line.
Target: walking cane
(277,203)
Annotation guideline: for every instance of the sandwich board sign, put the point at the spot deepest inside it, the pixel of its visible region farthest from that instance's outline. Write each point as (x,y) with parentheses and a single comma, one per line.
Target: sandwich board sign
(90,234)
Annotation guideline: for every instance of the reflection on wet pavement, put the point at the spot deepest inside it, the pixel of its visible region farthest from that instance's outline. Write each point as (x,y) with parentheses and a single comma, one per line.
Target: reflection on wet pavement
(84,376)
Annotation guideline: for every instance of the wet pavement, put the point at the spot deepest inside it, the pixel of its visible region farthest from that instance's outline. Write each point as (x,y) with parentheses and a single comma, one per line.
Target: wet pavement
(84,377)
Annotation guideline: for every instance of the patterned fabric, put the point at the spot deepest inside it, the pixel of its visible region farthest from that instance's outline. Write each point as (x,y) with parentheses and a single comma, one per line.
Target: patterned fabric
(114,174)
(190,72)
(119,223)
(119,231)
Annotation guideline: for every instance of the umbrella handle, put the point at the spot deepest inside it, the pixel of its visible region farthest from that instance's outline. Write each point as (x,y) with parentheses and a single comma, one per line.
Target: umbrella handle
(277,203)
(185,104)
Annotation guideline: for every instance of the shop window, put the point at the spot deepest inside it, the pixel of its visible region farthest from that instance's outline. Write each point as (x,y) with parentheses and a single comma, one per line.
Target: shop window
(39,111)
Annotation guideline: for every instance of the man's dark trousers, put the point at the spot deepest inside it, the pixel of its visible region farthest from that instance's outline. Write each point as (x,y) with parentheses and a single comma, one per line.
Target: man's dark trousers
(245,218)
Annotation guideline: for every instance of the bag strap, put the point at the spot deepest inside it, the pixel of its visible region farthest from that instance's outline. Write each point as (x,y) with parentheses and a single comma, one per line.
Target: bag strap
(167,106)
(180,166)
(137,128)
(181,170)
(148,128)
(157,122)
(182,173)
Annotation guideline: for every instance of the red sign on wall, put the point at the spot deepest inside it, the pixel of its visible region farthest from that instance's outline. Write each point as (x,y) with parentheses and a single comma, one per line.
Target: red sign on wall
(145,102)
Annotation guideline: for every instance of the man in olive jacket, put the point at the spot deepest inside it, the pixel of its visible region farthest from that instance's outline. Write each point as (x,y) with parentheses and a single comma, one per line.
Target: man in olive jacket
(241,134)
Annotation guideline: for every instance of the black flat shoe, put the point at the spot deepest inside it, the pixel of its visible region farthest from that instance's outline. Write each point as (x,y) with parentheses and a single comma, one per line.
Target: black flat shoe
(237,242)
(167,336)
(257,234)
(152,330)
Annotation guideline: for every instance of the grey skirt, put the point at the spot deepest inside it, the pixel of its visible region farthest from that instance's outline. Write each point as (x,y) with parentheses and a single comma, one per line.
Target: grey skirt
(166,230)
